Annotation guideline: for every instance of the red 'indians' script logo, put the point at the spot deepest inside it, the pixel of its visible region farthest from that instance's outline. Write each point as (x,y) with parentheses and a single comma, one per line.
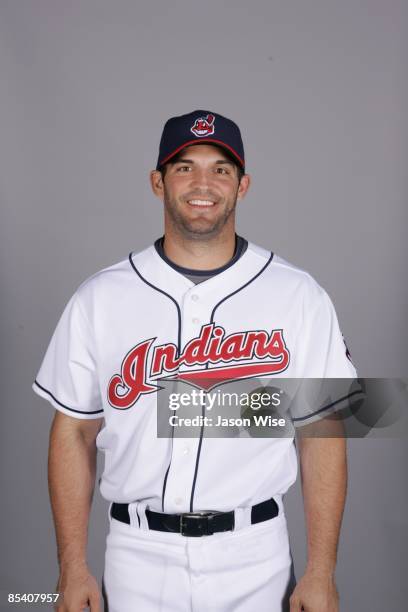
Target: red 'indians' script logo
(203,126)
(210,347)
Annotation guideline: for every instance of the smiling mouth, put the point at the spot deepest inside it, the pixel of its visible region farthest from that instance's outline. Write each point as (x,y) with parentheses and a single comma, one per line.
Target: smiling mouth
(197,202)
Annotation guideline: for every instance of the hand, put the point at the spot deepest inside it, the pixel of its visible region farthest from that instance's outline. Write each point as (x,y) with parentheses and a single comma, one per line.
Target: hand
(315,593)
(80,591)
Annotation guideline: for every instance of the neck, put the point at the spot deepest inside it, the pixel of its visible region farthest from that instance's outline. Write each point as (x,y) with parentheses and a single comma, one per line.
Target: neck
(199,254)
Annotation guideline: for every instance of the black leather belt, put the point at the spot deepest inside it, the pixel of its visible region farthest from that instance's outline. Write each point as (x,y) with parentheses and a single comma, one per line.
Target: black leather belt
(194,524)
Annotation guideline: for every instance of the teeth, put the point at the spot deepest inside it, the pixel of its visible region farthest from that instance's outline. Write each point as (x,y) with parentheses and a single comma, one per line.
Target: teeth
(201,202)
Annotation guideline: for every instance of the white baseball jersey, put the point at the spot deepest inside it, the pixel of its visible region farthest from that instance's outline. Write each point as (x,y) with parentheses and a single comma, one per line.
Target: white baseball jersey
(139,320)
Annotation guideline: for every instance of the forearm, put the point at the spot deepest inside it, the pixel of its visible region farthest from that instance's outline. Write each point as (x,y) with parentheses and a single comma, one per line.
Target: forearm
(324,483)
(71,479)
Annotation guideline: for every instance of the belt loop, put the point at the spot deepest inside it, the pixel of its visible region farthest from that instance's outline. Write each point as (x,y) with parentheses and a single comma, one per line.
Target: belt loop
(242,517)
(279,501)
(140,514)
(109,512)
(133,516)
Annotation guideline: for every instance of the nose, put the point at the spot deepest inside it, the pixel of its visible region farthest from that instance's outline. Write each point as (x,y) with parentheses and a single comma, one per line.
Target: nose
(201,178)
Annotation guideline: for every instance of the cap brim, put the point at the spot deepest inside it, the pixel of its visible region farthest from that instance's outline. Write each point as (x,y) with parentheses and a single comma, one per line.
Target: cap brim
(214,141)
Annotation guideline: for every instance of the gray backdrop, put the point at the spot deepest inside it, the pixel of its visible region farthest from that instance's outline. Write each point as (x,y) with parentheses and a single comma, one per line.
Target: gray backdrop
(318,88)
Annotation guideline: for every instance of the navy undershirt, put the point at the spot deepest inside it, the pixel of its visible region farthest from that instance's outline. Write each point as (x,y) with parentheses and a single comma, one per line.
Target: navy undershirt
(199,276)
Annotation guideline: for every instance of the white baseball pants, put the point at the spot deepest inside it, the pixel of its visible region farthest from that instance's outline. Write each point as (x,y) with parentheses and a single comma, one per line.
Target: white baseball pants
(246,570)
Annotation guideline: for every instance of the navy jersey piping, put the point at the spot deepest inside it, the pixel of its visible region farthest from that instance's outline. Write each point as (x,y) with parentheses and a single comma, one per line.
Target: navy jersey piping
(164,293)
(178,349)
(63,405)
(341,399)
(206,367)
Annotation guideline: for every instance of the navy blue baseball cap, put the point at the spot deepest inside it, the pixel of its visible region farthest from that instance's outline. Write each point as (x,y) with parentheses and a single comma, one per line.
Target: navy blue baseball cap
(200,126)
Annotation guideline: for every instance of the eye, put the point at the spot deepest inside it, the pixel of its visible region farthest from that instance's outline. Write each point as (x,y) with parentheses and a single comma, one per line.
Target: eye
(183,168)
(222,170)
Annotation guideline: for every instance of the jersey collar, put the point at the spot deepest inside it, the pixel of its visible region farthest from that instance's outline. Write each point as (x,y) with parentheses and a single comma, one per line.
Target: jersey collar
(154,271)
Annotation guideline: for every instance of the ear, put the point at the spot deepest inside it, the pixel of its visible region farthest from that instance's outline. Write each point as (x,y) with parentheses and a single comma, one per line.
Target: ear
(157,184)
(243,186)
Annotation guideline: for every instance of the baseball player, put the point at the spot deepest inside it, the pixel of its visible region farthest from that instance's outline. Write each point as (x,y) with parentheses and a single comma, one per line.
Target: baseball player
(195,523)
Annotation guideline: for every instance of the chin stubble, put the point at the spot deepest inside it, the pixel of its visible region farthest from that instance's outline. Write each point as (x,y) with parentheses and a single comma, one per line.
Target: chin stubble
(190,230)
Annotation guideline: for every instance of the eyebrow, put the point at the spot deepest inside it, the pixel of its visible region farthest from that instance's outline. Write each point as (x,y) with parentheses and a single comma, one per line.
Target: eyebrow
(191,161)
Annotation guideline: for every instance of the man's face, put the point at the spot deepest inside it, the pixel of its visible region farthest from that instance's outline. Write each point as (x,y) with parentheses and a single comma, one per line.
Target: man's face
(200,191)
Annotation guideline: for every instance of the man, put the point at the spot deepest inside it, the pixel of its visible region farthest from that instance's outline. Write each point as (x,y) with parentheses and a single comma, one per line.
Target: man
(195,523)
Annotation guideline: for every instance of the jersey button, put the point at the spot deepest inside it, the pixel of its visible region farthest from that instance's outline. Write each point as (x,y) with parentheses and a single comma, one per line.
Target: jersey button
(195,320)
(178,501)
(195,297)
(186,450)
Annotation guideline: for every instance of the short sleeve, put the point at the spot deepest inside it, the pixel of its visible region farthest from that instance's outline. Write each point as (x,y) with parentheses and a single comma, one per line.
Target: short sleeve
(328,378)
(68,377)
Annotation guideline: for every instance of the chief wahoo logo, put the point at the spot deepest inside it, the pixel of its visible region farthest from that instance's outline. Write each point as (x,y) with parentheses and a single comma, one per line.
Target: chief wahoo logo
(203,126)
